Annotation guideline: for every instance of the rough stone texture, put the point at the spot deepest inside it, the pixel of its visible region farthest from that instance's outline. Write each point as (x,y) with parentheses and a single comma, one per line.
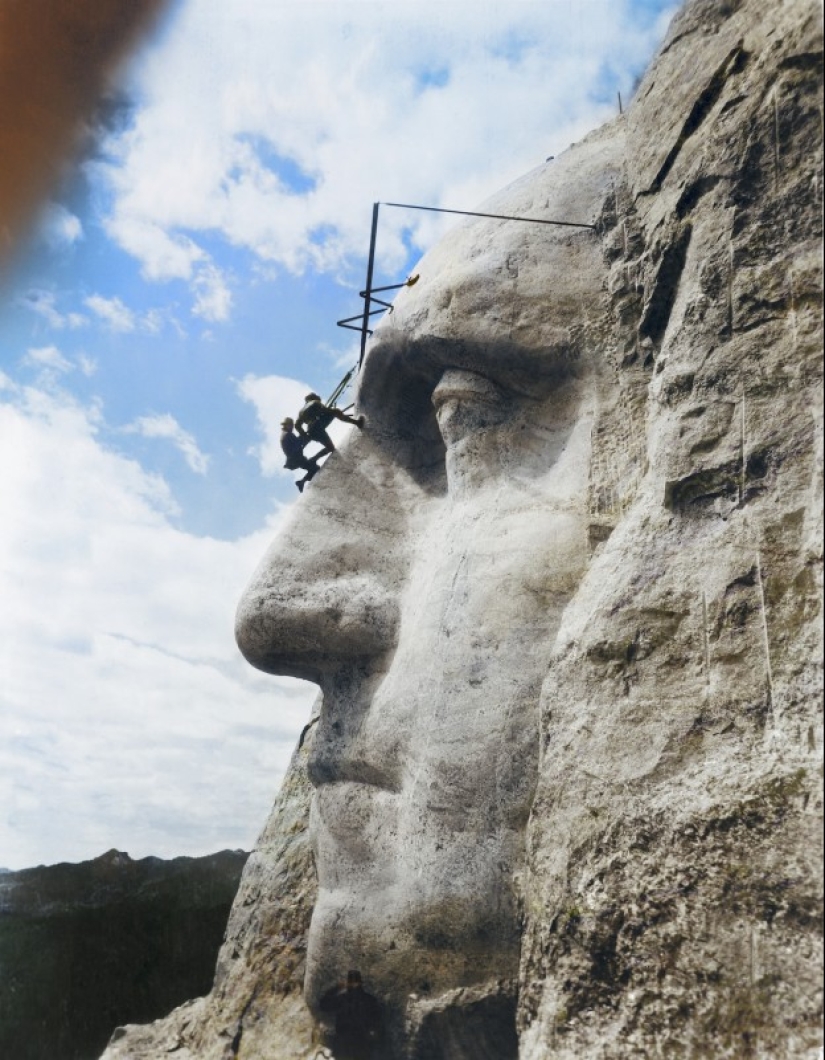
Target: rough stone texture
(85,947)
(563,597)
(674,895)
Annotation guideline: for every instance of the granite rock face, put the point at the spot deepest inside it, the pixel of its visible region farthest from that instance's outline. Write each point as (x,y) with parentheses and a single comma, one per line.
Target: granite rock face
(85,947)
(563,598)
(673,898)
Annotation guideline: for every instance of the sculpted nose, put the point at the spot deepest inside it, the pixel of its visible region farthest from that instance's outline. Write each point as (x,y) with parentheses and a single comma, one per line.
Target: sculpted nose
(326,593)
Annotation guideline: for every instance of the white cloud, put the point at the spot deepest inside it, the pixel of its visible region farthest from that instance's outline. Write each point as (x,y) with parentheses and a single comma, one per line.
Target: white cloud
(112,312)
(276,126)
(44,303)
(126,708)
(48,357)
(162,256)
(213,299)
(118,317)
(60,227)
(166,426)
(153,321)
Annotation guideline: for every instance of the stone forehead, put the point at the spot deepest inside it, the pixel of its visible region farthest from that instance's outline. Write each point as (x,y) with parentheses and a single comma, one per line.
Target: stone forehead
(502,296)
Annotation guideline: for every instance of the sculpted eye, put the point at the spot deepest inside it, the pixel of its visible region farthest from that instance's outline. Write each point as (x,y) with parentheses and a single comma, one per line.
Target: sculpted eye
(467,404)
(475,417)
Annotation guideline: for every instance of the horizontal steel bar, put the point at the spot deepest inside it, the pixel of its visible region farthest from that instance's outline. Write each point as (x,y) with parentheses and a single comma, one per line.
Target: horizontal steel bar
(389,287)
(359,316)
(495,216)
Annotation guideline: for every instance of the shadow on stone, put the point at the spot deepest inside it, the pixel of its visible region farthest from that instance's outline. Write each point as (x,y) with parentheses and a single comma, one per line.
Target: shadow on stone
(358,1032)
(484,1029)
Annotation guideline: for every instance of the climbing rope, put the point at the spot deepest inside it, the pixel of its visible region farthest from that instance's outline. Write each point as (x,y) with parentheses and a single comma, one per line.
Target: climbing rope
(342,386)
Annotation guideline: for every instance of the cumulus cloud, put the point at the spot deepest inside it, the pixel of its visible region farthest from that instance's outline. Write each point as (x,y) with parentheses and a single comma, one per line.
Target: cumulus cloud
(127,710)
(48,357)
(116,316)
(44,303)
(276,126)
(112,312)
(166,426)
(59,227)
(213,299)
(162,256)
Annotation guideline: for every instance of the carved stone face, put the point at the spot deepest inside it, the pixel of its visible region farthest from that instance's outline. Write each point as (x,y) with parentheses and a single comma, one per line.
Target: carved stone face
(421,582)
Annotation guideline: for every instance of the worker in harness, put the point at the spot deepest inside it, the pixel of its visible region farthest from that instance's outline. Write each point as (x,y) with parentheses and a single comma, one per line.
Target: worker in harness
(293,446)
(315,417)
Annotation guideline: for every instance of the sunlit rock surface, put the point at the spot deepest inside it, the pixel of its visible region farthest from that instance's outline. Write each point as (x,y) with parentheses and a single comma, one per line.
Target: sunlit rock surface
(564,600)
(673,898)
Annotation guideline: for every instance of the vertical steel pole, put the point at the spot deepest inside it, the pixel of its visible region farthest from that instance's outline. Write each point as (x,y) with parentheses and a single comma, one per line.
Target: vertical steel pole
(368,287)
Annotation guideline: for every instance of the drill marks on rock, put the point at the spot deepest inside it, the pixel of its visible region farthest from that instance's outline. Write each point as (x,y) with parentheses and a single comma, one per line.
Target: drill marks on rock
(793,321)
(730,285)
(742,453)
(738,473)
(765,635)
(618,464)
(705,641)
(776,148)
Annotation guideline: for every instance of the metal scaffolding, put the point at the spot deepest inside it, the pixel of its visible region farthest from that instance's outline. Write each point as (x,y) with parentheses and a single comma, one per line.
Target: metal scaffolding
(369,292)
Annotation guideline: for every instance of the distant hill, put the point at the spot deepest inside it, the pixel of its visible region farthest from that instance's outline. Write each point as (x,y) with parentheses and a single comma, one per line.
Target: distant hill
(87,947)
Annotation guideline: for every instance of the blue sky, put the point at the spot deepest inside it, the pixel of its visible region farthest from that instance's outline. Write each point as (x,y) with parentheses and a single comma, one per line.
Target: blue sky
(176,300)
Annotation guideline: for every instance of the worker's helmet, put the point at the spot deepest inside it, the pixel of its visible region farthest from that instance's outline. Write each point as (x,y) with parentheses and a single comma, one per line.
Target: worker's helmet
(312,397)
(287,424)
